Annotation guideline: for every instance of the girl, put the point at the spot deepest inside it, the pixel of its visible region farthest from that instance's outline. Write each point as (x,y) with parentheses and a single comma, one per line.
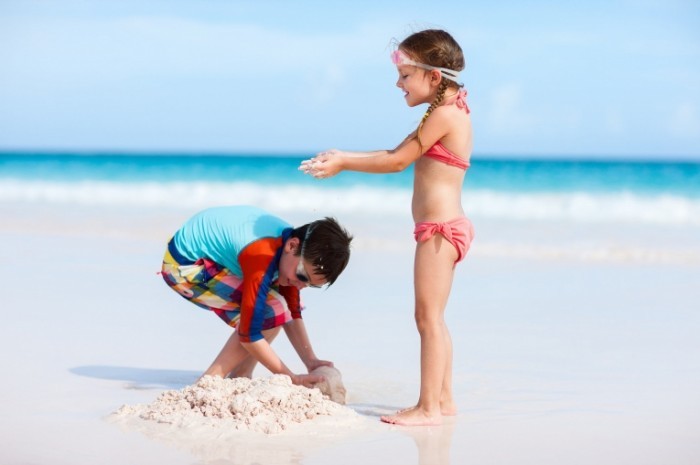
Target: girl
(428,63)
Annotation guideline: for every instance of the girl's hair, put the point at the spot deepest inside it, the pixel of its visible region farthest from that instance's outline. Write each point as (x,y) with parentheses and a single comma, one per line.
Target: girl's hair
(434,47)
(326,247)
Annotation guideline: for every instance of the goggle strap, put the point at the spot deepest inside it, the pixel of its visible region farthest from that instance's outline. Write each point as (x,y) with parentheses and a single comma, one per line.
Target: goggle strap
(399,58)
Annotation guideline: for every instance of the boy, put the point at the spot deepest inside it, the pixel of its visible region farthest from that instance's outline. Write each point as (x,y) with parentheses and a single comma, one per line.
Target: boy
(248,267)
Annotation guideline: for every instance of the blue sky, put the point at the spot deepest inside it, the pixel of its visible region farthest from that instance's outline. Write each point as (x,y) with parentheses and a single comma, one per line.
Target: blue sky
(598,79)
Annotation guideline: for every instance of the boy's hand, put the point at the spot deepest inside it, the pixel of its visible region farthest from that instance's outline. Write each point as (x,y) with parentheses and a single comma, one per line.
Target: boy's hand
(307,380)
(311,365)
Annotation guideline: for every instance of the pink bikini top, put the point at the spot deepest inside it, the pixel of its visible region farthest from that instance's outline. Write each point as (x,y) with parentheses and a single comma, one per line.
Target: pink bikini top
(438,151)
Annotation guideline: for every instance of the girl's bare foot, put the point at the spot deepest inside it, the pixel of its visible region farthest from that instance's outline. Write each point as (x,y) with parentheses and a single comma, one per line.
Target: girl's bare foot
(448,409)
(413,417)
(445,410)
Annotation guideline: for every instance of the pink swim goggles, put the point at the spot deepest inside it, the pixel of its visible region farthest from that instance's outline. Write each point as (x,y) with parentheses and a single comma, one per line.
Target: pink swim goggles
(398,57)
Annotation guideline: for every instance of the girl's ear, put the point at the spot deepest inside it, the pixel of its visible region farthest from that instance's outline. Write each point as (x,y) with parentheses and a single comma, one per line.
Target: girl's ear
(435,77)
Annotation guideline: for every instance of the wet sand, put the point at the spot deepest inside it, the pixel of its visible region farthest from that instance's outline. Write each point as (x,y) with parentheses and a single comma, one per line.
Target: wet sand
(573,343)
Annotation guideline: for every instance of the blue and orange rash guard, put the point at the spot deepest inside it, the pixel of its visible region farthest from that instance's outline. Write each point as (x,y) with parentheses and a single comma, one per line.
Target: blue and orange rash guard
(260,263)
(248,241)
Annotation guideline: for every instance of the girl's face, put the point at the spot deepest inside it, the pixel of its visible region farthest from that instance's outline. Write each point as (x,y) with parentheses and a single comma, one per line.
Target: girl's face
(419,85)
(415,83)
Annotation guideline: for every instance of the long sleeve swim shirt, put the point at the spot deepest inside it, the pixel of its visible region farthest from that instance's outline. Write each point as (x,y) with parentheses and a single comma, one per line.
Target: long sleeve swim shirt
(249,242)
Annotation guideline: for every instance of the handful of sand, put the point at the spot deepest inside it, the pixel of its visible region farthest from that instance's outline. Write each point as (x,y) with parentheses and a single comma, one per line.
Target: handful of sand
(268,405)
(332,385)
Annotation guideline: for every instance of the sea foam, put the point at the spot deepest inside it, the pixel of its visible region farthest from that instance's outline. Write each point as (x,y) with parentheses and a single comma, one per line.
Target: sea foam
(628,207)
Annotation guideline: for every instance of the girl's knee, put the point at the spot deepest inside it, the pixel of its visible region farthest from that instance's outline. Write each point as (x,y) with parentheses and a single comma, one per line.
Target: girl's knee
(429,321)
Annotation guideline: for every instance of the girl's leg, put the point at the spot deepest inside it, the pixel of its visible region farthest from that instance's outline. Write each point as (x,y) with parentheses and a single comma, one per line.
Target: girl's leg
(447,404)
(433,273)
(233,355)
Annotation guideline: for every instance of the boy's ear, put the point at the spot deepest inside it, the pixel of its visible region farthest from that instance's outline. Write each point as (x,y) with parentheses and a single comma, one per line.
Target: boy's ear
(292,244)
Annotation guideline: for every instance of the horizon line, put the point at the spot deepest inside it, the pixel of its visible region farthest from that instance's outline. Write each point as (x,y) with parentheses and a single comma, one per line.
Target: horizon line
(496,156)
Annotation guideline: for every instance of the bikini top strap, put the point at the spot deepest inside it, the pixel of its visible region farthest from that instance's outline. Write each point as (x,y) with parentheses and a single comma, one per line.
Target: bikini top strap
(460,98)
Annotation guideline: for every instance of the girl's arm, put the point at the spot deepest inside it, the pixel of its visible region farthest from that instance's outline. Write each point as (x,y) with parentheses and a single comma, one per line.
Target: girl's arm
(332,162)
(354,154)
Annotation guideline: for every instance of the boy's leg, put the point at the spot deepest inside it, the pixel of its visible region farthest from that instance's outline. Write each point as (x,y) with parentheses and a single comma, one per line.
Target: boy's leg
(433,273)
(234,354)
(229,357)
(246,367)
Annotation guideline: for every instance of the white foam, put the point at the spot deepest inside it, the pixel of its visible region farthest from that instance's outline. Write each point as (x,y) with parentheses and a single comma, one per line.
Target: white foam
(584,207)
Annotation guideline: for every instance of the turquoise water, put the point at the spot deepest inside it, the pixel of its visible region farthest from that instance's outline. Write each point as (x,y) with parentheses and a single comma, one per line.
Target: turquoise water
(503,175)
(176,168)
(666,192)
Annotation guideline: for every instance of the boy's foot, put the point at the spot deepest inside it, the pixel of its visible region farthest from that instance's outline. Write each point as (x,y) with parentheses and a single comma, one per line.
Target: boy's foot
(412,417)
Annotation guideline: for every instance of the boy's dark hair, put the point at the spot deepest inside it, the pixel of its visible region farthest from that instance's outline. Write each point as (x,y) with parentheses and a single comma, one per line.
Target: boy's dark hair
(326,247)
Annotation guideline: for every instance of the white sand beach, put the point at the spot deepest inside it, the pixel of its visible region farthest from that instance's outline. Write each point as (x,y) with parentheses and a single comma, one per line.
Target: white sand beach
(574,343)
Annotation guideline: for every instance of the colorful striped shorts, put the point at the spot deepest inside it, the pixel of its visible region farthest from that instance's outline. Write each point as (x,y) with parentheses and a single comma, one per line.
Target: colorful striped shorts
(213,287)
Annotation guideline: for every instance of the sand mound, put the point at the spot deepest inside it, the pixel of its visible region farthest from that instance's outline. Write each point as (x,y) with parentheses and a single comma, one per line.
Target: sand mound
(268,405)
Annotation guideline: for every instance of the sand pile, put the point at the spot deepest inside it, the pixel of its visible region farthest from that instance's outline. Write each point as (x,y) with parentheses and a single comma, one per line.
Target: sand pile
(268,405)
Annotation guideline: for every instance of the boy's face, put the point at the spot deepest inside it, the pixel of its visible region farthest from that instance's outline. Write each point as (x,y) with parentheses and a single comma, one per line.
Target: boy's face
(292,268)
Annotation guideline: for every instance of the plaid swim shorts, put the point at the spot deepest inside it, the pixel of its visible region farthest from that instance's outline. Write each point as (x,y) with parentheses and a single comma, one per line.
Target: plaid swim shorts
(213,287)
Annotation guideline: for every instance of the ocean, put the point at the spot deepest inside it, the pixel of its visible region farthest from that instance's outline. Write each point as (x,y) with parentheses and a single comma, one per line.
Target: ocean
(665,193)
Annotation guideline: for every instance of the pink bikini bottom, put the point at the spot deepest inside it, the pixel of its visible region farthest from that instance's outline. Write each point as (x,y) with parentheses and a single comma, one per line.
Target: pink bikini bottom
(458,232)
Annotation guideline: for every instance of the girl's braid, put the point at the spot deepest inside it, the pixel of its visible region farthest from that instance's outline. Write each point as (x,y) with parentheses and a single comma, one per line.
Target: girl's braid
(444,84)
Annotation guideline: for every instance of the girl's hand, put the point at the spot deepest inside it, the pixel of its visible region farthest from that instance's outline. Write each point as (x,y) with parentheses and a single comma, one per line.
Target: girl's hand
(323,165)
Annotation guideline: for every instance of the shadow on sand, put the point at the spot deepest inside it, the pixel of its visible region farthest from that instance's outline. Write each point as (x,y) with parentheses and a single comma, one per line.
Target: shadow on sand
(139,378)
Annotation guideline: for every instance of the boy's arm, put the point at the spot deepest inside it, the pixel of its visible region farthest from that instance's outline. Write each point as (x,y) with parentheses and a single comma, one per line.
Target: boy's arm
(291,296)
(256,260)
(263,353)
(299,338)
